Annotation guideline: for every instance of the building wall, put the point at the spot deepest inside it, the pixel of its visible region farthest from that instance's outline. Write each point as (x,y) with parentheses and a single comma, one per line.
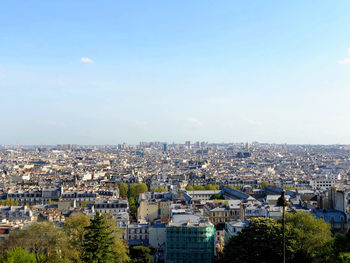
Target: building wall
(150,210)
(157,237)
(147,210)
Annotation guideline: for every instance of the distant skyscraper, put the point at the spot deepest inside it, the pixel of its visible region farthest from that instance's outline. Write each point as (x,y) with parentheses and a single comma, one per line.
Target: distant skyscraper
(165,147)
(188,144)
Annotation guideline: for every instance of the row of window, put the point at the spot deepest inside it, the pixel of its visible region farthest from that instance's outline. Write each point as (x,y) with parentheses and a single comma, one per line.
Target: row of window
(186,231)
(137,231)
(138,237)
(226,213)
(111,205)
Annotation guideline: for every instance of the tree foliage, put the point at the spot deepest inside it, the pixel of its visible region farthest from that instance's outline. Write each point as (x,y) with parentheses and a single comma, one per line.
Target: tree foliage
(136,189)
(202,187)
(217,196)
(189,188)
(20,255)
(212,187)
(123,189)
(159,189)
(264,184)
(336,250)
(75,228)
(132,205)
(98,241)
(307,233)
(261,241)
(80,240)
(140,254)
(48,243)
(101,242)
(8,202)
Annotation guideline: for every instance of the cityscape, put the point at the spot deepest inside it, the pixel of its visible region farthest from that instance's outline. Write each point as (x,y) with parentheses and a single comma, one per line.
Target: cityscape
(182,201)
(174,131)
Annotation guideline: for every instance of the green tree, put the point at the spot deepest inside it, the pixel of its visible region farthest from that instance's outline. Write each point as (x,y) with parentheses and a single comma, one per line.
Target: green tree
(140,254)
(123,189)
(132,205)
(326,253)
(98,242)
(20,255)
(344,257)
(217,196)
(308,234)
(48,243)
(335,251)
(189,188)
(159,189)
(260,242)
(264,184)
(136,189)
(119,248)
(141,188)
(132,191)
(212,187)
(342,243)
(8,202)
(75,228)
(198,187)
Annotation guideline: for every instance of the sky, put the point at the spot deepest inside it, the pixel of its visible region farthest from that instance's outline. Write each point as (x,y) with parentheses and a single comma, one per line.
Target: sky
(108,72)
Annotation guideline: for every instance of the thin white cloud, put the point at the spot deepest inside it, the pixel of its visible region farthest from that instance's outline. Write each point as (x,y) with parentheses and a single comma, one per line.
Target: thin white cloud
(87,60)
(345,60)
(194,121)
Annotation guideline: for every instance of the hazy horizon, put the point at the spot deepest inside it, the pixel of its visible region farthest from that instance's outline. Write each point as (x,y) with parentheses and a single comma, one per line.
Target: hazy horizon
(169,143)
(108,72)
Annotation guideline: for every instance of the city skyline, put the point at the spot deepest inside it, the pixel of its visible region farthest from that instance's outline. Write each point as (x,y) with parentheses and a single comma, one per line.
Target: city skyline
(114,72)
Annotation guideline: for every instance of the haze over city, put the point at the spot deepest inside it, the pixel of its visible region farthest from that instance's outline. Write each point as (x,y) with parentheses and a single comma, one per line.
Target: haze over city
(108,72)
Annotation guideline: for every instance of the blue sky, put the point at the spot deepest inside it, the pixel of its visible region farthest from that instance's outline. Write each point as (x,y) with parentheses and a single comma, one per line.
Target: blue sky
(107,72)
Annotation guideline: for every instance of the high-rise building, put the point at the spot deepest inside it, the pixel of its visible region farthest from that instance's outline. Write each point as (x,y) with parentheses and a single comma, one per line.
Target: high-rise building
(188,144)
(165,147)
(190,239)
